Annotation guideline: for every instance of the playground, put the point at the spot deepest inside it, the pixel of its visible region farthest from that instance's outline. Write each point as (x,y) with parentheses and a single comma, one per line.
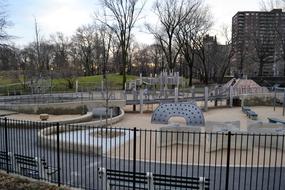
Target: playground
(235,125)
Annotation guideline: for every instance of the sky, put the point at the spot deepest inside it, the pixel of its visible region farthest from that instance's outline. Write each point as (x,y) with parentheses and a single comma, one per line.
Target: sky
(67,15)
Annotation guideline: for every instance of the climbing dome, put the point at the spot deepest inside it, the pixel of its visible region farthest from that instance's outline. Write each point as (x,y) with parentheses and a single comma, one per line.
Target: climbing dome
(192,114)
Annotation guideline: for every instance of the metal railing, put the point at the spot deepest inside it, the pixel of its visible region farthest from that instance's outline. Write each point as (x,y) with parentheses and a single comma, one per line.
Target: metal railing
(227,160)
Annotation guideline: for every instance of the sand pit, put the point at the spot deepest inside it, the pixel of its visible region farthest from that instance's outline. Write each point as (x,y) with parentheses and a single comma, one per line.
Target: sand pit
(36,117)
(143,121)
(148,147)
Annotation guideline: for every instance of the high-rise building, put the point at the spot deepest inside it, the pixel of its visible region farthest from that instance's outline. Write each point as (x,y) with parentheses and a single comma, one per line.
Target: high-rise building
(257,43)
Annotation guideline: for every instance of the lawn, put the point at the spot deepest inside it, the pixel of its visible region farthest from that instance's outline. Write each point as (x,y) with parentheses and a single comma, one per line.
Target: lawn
(8,85)
(114,80)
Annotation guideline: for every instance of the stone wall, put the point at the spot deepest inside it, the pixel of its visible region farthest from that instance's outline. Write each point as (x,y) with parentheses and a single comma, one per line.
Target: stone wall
(79,107)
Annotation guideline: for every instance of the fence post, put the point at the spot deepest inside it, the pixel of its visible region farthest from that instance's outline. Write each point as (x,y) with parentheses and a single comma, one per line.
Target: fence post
(103,175)
(228,160)
(149,177)
(134,158)
(6,144)
(58,154)
(201,183)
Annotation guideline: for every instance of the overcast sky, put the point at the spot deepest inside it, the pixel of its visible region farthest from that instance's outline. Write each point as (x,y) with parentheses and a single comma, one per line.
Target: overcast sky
(67,15)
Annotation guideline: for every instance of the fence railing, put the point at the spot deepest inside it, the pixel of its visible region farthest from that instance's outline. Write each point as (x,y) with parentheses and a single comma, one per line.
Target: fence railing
(71,155)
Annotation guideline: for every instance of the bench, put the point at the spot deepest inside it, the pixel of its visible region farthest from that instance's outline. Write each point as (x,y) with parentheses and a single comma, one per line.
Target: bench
(275,120)
(149,181)
(252,115)
(27,166)
(4,161)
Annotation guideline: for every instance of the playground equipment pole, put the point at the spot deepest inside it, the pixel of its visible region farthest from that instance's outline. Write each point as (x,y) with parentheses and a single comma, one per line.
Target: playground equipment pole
(206,98)
(76,86)
(141,101)
(134,97)
(216,94)
(283,102)
(176,94)
(274,101)
(231,96)
(193,92)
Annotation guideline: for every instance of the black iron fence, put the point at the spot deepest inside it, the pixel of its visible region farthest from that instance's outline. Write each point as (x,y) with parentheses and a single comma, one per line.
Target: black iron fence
(95,158)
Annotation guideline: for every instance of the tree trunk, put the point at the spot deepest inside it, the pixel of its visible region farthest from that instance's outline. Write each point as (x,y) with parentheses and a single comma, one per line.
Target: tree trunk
(260,70)
(124,60)
(190,75)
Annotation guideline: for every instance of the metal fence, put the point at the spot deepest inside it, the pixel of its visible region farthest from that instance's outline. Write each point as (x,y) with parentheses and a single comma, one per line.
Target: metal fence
(72,154)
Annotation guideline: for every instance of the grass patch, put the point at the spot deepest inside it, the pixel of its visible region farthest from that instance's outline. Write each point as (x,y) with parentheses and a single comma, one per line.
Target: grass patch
(67,111)
(114,80)
(9,86)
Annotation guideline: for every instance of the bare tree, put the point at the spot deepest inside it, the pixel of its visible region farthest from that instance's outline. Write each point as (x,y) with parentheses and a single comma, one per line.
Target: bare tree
(105,38)
(85,40)
(171,14)
(156,54)
(4,24)
(225,55)
(263,51)
(47,54)
(122,19)
(280,41)
(61,62)
(195,25)
(8,58)
(202,54)
(37,46)
(61,50)
(267,5)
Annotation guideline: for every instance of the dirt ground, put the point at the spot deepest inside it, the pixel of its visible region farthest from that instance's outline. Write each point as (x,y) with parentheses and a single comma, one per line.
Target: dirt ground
(11,182)
(224,114)
(149,147)
(36,117)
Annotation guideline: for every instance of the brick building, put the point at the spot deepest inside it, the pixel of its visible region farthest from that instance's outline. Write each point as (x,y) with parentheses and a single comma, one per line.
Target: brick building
(257,38)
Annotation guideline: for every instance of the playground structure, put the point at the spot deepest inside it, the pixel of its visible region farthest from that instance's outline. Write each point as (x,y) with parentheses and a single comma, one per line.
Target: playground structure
(233,93)
(163,80)
(192,114)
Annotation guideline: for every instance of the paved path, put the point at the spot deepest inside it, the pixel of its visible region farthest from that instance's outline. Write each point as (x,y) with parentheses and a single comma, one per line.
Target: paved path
(79,170)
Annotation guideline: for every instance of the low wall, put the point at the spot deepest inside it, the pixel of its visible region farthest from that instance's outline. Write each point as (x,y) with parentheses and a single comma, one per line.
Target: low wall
(30,124)
(48,138)
(79,107)
(265,99)
(216,136)
(174,134)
